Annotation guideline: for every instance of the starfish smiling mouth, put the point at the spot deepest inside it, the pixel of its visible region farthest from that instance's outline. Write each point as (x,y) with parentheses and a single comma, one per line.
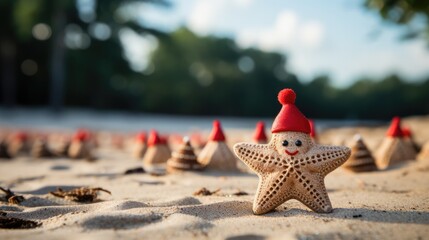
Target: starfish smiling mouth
(292,153)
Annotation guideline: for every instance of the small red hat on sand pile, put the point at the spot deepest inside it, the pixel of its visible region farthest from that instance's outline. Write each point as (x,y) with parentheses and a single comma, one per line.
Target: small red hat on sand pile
(406,132)
(216,153)
(157,152)
(395,128)
(81,135)
(164,140)
(408,135)
(141,137)
(217,132)
(394,149)
(259,135)
(289,118)
(81,145)
(140,145)
(19,144)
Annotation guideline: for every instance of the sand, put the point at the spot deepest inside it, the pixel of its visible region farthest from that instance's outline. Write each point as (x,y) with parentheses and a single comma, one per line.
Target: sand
(390,204)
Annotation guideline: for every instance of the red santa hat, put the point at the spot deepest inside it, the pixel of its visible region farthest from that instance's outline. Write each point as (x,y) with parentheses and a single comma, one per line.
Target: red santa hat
(217,133)
(141,137)
(406,131)
(289,117)
(81,135)
(313,132)
(153,138)
(395,128)
(21,136)
(259,134)
(163,139)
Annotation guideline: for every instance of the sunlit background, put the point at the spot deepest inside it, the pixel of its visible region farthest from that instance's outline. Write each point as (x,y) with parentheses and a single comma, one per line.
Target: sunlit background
(346,59)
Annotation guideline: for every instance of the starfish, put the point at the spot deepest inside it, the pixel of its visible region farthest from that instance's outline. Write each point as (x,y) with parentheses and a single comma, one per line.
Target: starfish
(291,166)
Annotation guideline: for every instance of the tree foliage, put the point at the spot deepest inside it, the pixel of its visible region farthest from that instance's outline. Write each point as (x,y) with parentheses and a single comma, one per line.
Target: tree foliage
(80,69)
(412,13)
(201,76)
(188,74)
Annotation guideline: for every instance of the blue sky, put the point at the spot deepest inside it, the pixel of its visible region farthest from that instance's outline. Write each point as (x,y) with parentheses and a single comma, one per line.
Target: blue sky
(337,37)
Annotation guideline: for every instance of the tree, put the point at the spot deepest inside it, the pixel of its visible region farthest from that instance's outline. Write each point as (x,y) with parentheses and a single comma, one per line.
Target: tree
(213,76)
(60,19)
(412,13)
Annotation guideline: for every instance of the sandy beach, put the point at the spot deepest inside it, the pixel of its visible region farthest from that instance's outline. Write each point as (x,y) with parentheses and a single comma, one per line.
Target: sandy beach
(205,119)
(388,204)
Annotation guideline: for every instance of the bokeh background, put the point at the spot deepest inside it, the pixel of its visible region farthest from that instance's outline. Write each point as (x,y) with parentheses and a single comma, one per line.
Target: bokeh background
(346,59)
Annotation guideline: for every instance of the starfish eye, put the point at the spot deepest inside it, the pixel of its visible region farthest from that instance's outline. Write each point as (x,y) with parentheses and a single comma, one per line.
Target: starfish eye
(298,143)
(285,143)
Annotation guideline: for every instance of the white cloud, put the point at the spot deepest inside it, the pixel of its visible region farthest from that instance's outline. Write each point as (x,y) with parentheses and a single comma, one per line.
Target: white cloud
(419,66)
(300,40)
(312,34)
(204,16)
(243,3)
(285,28)
(286,34)
(410,60)
(304,43)
(137,48)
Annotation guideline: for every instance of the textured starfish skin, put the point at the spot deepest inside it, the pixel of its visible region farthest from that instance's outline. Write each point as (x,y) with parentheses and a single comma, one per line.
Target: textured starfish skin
(283,177)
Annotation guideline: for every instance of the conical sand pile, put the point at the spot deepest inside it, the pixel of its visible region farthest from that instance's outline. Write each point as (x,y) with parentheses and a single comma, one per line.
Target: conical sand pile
(184,159)
(4,151)
(216,154)
(394,149)
(81,147)
(424,153)
(361,159)
(40,149)
(157,152)
(409,138)
(19,144)
(63,148)
(139,146)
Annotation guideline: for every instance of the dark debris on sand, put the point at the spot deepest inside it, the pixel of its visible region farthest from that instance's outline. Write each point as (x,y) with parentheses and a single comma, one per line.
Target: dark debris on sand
(240,193)
(83,194)
(10,197)
(205,192)
(157,174)
(16,223)
(139,170)
(134,171)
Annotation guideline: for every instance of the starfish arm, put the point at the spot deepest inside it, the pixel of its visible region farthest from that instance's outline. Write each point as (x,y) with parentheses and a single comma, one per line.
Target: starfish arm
(273,190)
(259,157)
(325,159)
(310,190)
